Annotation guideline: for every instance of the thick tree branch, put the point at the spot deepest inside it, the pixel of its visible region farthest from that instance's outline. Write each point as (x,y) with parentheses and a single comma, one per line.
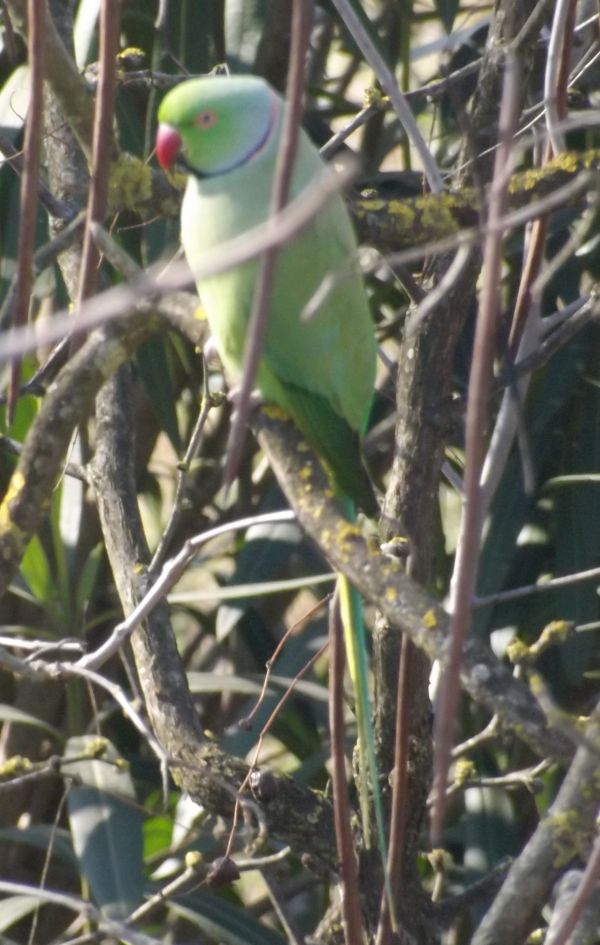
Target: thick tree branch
(29,194)
(404,604)
(67,404)
(295,815)
(565,832)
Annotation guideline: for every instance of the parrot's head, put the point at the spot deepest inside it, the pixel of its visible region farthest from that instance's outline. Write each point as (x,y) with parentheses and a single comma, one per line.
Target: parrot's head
(215,124)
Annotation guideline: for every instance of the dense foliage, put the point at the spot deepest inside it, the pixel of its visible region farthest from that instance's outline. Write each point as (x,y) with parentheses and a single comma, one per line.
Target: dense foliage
(484,443)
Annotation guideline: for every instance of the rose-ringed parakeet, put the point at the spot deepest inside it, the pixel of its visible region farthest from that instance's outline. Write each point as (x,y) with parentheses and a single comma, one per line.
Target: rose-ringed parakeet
(225,132)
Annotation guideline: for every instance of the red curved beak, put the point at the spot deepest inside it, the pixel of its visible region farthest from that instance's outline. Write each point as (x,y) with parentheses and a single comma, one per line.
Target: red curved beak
(168,144)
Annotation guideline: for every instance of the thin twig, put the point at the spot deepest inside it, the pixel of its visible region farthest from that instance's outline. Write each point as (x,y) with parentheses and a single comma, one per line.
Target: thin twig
(510,421)
(258,320)
(42,258)
(480,386)
(66,645)
(122,300)
(360,119)
(49,770)
(190,877)
(169,574)
(70,469)
(560,38)
(447,910)
(490,732)
(291,631)
(427,93)
(587,61)
(103,142)
(527,778)
(117,693)
(120,930)
(29,193)
(568,250)
(283,910)
(524,334)
(351,911)
(516,593)
(48,855)
(532,24)
(388,83)
(539,230)
(283,700)
(556,340)
(395,858)
(588,885)
(56,208)
(264,732)
(183,469)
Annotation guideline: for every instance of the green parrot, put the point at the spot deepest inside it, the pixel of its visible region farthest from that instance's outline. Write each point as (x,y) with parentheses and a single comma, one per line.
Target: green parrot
(320,370)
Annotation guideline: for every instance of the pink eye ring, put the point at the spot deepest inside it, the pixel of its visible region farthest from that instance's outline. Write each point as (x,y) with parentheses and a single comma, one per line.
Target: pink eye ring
(206,120)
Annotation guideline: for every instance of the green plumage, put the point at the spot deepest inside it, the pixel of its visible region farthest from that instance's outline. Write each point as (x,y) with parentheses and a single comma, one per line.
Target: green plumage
(320,370)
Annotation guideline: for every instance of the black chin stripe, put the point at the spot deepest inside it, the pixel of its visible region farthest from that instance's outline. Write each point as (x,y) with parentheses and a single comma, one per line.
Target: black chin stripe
(193,171)
(203,175)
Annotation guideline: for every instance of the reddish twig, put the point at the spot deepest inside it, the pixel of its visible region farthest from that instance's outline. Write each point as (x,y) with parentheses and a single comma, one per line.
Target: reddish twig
(587,886)
(480,387)
(399,805)
(29,193)
(539,229)
(121,300)
(387,80)
(14,158)
(341,807)
(257,324)
(283,701)
(103,143)
(264,732)
(291,631)
(276,711)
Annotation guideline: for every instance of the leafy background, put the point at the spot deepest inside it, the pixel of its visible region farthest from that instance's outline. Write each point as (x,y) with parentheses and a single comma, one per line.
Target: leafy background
(102,830)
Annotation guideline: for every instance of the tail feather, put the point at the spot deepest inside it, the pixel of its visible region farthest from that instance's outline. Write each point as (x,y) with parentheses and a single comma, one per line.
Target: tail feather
(334,440)
(355,639)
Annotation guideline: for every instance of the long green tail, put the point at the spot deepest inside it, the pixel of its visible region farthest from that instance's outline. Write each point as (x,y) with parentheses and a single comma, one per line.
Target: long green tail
(355,639)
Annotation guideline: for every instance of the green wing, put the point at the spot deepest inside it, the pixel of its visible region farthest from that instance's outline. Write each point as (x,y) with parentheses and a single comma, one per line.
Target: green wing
(320,370)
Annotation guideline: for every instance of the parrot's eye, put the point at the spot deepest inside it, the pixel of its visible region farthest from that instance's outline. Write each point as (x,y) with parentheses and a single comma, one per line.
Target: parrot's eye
(206,120)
